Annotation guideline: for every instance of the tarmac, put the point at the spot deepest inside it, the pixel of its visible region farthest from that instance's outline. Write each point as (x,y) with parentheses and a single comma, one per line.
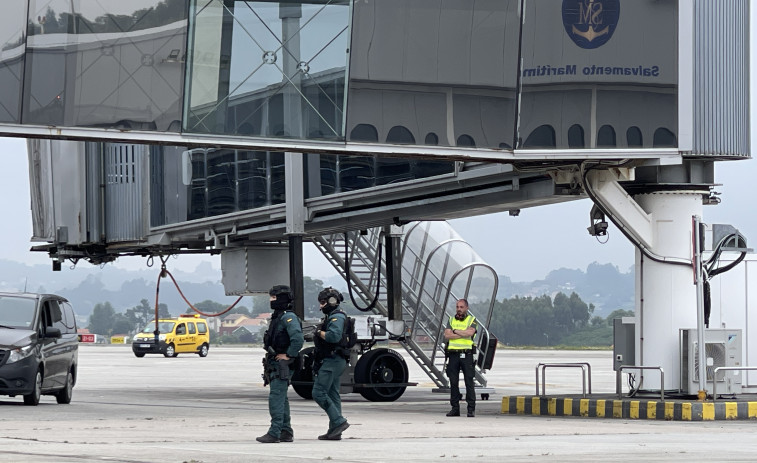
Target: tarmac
(198,410)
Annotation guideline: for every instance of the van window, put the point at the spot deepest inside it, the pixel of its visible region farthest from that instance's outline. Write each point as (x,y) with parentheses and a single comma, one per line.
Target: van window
(181,329)
(192,329)
(17,312)
(202,328)
(55,316)
(69,317)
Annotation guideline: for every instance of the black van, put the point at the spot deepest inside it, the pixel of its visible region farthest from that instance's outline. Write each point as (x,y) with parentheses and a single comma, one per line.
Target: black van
(39,347)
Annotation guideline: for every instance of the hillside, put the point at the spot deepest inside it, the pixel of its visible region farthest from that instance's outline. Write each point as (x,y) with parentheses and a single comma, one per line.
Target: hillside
(85,286)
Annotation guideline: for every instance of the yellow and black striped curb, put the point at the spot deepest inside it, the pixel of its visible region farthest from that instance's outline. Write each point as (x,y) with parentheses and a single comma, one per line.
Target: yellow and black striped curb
(629,409)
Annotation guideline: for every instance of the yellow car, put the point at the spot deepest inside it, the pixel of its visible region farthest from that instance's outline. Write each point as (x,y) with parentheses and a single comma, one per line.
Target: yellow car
(187,334)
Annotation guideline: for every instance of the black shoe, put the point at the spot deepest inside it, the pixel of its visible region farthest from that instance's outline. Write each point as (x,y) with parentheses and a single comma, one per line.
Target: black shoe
(337,431)
(286,436)
(330,436)
(453,412)
(268,439)
(471,414)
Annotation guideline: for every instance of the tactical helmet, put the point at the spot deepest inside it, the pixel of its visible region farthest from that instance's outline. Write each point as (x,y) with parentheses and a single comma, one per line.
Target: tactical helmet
(330,297)
(282,293)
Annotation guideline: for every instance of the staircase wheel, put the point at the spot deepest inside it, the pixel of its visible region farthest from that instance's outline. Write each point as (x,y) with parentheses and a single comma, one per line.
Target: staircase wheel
(381,366)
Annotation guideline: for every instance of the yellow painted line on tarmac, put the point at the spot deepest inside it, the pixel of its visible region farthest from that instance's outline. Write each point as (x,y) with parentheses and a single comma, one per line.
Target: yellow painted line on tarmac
(669,410)
(686,411)
(552,407)
(601,408)
(708,411)
(617,409)
(535,406)
(731,411)
(652,410)
(583,407)
(752,409)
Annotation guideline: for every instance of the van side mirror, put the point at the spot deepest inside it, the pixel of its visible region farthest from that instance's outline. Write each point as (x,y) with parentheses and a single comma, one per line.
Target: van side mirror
(51,332)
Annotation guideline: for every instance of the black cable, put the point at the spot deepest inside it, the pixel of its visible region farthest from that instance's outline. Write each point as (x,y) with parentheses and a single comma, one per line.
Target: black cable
(377,264)
(622,229)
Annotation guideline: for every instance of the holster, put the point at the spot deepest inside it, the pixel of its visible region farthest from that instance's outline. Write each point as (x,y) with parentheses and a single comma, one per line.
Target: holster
(266,371)
(283,369)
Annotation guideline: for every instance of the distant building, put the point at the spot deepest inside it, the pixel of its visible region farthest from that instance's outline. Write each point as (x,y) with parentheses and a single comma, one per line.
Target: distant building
(231,323)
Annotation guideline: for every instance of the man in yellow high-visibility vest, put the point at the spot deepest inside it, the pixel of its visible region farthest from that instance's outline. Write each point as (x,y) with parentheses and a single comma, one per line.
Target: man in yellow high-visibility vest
(460,356)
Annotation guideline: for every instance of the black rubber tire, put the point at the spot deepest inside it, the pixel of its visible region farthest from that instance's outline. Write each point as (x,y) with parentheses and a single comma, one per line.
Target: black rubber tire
(33,397)
(170,351)
(64,395)
(381,366)
(139,354)
(302,378)
(203,350)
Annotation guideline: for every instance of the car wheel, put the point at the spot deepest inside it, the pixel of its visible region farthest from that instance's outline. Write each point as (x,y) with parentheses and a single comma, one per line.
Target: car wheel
(64,395)
(203,350)
(33,397)
(170,351)
(139,354)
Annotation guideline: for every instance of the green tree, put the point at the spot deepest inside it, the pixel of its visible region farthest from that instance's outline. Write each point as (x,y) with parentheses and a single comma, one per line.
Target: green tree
(121,325)
(141,314)
(260,304)
(102,318)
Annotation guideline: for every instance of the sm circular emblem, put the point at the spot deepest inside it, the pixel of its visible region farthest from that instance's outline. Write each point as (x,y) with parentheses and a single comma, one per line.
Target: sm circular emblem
(590,23)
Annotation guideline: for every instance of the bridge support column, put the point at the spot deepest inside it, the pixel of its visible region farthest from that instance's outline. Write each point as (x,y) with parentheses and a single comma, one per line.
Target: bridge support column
(392,237)
(666,297)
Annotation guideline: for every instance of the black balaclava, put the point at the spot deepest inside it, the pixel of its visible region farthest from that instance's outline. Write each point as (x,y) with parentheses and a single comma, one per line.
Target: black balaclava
(281,303)
(283,298)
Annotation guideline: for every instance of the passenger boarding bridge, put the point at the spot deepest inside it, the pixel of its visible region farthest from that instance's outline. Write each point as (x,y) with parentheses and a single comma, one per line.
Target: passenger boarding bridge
(246,128)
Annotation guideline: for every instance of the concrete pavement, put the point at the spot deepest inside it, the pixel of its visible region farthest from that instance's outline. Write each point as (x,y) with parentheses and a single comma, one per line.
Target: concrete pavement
(191,409)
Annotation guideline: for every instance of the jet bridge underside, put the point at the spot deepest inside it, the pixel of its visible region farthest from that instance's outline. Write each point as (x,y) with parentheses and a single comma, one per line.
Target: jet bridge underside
(132,216)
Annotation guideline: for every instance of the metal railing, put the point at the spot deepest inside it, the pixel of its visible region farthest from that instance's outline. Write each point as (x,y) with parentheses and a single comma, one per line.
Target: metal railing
(715,378)
(618,387)
(584,366)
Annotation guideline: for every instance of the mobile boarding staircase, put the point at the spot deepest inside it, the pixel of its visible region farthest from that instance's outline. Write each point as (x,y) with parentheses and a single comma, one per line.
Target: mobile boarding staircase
(438,268)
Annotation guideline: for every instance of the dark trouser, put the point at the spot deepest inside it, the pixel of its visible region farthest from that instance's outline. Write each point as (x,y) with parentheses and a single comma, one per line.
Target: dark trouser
(326,389)
(458,361)
(278,407)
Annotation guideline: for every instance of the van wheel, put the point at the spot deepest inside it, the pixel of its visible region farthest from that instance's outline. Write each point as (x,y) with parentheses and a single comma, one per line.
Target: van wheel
(139,354)
(170,351)
(203,350)
(33,397)
(64,395)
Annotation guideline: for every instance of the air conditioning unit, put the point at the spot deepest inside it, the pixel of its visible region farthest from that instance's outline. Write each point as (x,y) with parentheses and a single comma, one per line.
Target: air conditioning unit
(722,348)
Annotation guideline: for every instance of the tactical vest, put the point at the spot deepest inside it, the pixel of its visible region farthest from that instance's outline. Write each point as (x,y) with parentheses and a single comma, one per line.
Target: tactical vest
(459,325)
(276,336)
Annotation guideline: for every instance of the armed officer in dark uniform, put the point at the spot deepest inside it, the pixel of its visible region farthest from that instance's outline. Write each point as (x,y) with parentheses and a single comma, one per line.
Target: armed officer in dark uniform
(282,341)
(329,363)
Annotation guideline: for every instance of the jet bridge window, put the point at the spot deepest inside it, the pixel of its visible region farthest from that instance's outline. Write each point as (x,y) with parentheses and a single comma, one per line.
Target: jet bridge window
(12,58)
(268,68)
(634,137)
(448,68)
(106,63)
